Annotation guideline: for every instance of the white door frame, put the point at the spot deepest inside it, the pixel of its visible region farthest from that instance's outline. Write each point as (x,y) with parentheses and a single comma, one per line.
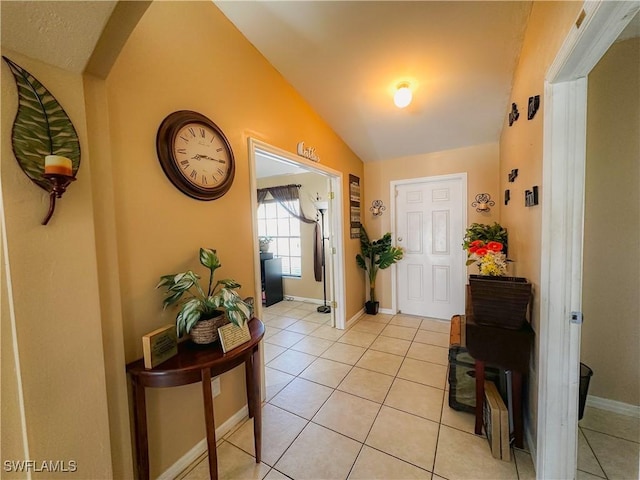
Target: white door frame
(337,285)
(565,97)
(392,193)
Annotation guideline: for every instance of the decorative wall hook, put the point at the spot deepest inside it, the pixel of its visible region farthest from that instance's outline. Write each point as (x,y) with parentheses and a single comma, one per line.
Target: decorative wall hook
(377,207)
(44,141)
(483,202)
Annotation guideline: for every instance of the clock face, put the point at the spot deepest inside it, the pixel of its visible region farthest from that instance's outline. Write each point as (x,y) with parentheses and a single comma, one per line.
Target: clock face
(195,155)
(201,155)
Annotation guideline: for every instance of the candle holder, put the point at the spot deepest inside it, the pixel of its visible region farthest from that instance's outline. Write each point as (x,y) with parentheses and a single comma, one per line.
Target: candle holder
(483,202)
(59,184)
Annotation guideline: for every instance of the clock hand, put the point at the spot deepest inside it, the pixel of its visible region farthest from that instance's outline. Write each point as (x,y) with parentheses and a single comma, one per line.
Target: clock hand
(212,159)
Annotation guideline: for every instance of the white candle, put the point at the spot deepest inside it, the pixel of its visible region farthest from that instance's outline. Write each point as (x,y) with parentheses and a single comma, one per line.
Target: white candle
(58,165)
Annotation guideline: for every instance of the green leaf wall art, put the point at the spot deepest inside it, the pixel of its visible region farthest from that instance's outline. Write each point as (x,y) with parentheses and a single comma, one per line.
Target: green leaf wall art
(41,128)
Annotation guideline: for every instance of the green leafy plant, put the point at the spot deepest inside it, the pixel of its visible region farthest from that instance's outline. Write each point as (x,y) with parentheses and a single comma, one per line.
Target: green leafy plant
(264,242)
(486,234)
(376,255)
(198,304)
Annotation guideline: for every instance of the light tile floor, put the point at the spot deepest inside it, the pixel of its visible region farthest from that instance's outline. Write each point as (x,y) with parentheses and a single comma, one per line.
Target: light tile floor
(372,403)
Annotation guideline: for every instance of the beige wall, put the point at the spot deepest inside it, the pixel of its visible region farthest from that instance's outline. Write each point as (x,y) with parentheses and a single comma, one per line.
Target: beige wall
(312,184)
(521,147)
(611,332)
(54,297)
(479,162)
(187,55)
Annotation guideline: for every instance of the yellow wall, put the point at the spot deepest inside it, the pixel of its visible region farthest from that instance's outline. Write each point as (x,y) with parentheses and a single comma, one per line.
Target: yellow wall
(10,402)
(187,55)
(54,296)
(312,184)
(521,147)
(611,332)
(479,162)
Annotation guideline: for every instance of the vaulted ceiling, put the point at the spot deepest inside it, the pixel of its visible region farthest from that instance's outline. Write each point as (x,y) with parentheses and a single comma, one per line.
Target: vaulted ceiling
(345,58)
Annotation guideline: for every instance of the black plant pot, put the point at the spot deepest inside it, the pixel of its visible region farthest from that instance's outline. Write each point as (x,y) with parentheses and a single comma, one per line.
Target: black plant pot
(371,307)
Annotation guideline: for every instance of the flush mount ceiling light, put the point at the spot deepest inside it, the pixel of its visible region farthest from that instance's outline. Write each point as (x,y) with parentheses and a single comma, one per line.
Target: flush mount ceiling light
(403,95)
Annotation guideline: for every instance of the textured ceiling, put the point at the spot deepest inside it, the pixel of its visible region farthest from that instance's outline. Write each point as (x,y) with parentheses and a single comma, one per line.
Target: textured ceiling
(60,33)
(345,59)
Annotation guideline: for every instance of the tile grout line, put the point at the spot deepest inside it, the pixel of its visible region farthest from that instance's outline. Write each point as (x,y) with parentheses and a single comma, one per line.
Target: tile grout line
(594,454)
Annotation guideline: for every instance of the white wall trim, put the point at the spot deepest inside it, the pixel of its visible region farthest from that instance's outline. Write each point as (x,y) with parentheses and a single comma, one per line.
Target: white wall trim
(6,269)
(315,301)
(337,285)
(614,406)
(387,311)
(353,319)
(201,447)
(562,232)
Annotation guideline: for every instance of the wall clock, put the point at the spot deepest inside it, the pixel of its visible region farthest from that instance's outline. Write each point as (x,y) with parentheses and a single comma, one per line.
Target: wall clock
(195,155)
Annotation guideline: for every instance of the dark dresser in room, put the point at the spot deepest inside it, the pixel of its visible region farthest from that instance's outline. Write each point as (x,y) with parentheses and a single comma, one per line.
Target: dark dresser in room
(271,275)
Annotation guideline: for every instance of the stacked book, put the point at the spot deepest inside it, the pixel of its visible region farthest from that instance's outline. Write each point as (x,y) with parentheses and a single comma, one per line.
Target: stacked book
(496,422)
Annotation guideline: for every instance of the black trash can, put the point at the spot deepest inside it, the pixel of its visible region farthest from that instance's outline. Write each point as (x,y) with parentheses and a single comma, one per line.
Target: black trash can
(585,377)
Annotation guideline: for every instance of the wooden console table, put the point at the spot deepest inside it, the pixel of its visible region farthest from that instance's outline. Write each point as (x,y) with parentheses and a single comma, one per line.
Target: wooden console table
(504,348)
(195,363)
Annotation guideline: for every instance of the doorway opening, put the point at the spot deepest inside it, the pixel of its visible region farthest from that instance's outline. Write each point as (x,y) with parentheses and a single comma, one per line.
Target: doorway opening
(563,171)
(270,166)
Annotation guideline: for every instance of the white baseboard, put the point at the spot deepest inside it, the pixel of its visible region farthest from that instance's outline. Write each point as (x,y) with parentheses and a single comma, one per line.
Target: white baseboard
(201,447)
(386,311)
(306,300)
(358,314)
(614,406)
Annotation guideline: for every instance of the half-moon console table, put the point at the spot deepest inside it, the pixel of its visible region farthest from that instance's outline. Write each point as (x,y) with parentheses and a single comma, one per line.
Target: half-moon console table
(192,364)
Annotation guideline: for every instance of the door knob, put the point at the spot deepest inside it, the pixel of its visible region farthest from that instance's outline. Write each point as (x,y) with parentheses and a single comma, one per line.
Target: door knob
(399,239)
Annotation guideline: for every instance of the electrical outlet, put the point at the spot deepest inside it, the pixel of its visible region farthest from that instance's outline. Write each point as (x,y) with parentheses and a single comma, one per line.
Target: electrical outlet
(215,386)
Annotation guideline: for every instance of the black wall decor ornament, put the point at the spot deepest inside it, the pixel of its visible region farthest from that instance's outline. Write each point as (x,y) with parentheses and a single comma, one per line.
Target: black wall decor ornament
(507,196)
(531,197)
(514,114)
(512,175)
(534,105)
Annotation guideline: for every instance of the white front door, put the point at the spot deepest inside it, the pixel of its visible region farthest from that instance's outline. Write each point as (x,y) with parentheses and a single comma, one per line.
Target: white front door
(430,226)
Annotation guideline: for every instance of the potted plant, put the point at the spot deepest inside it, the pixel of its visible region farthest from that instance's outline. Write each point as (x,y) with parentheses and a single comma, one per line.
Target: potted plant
(265,243)
(203,311)
(478,232)
(496,299)
(376,255)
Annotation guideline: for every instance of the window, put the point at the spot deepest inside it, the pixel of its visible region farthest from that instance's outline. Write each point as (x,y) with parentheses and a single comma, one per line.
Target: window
(275,222)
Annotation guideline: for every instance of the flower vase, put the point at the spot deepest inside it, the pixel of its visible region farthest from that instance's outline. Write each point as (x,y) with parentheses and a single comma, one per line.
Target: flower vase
(500,301)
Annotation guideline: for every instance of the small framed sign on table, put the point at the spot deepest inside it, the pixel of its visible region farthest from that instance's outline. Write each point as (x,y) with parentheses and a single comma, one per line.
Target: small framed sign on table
(159,346)
(232,336)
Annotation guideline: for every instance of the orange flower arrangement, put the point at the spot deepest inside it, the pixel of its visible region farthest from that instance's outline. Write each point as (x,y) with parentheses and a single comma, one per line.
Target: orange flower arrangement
(489,257)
